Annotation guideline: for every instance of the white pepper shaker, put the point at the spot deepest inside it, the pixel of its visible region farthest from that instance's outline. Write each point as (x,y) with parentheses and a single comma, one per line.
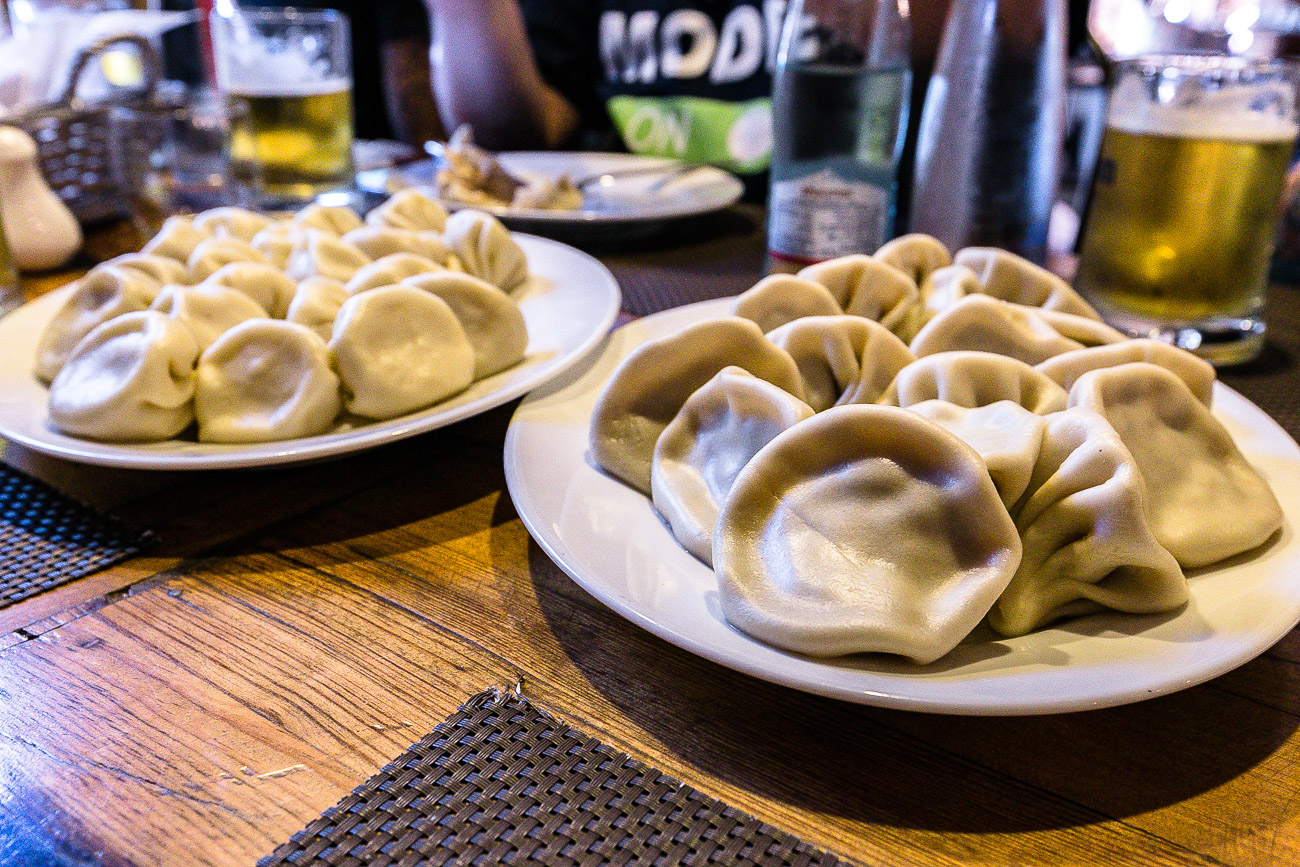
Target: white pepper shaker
(41,231)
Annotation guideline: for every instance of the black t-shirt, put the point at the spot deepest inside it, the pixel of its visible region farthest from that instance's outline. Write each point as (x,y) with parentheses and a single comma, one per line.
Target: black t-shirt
(689,79)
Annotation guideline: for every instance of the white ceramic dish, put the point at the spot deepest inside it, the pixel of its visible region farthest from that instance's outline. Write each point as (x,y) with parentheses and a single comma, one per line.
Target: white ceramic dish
(568,305)
(608,538)
(626,200)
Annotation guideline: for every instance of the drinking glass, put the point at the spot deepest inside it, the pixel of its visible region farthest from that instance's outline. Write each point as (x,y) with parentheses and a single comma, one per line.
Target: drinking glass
(1186,200)
(169,156)
(286,76)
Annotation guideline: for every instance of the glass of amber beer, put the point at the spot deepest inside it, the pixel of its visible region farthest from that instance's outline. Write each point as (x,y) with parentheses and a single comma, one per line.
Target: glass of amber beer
(1186,200)
(286,76)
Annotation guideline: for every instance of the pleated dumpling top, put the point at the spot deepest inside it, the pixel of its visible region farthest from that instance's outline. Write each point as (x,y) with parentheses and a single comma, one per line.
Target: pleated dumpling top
(1207,502)
(653,382)
(863,529)
(129,380)
(708,442)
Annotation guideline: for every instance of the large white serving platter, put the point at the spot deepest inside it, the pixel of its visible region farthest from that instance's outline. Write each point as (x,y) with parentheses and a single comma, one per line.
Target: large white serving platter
(625,200)
(569,303)
(608,538)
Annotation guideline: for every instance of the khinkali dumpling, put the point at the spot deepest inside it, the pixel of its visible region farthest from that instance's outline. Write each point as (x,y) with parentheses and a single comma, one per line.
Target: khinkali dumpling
(316,304)
(944,287)
(378,242)
(160,269)
(655,379)
(492,320)
(986,324)
(1012,278)
(214,253)
(1087,541)
(971,379)
(864,528)
(1207,502)
(866,287)
(231,222)
(335,219)
(916,255)
(265,380)
(1005,435)
(278,241)
(399,349)
(207,310)
(176,239)
(105,292)
(941,288)
(1196,372)
(267,286)
(409,209)
(699,453)
(781,298)
(320,254)
(389,271)
(485,249)
(842,359)
(1081,329)
(131,379)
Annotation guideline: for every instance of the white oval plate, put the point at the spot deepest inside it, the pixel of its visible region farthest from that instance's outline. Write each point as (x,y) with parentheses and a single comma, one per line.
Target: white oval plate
(629,199)
(569,303)
(608,538)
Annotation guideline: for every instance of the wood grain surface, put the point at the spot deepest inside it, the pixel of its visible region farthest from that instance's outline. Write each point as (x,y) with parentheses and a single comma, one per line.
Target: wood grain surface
(298,627)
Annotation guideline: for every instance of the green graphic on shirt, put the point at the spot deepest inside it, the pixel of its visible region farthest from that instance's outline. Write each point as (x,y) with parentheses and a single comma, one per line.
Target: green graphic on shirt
(732,135)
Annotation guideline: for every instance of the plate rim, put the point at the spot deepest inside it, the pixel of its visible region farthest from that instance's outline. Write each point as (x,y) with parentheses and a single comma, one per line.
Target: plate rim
(337,443)
(591,219)
(973,704)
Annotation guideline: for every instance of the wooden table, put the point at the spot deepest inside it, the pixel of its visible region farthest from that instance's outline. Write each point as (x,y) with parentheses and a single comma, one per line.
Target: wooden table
(297,628)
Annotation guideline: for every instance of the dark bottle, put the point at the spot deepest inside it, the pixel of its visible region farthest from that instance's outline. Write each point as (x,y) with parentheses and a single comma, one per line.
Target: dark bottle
(989,151)
(839,111)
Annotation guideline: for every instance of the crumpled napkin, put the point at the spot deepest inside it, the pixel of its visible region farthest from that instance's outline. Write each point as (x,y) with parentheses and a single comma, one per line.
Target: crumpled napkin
(36,61)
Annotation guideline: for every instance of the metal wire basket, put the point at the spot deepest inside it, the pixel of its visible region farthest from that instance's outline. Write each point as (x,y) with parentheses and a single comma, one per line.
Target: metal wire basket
(74,137)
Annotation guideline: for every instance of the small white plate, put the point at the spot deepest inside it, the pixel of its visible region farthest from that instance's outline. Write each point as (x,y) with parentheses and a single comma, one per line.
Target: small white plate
(568,304)
(608,538)
(629,199)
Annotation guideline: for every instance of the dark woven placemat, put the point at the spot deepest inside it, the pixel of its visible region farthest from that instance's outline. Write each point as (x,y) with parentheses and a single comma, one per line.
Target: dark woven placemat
(501,782)
(48,539)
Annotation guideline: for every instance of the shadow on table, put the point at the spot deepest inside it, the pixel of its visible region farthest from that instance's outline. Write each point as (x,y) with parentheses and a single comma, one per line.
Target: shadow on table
(374,495)
(915,770)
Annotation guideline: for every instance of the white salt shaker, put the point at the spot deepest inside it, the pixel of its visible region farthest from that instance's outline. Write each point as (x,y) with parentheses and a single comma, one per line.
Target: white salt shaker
(41,231)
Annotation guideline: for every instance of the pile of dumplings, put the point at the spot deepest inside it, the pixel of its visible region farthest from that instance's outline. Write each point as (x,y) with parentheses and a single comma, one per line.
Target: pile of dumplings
(881,452)
(264,328)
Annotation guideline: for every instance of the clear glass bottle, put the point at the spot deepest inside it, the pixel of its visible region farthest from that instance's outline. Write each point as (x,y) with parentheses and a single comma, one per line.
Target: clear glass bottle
(839,115)
(989,151)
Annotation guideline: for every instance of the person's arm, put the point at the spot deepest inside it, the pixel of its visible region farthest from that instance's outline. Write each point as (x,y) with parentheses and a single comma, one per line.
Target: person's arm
(408,91)
(485,74)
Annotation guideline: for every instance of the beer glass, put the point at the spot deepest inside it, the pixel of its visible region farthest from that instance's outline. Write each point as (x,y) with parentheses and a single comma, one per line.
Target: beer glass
(1186,200)
(286,76)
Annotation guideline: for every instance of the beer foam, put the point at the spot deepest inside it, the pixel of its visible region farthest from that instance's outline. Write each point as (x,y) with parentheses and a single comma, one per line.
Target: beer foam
(1226,116)
(251,69)
(254,88)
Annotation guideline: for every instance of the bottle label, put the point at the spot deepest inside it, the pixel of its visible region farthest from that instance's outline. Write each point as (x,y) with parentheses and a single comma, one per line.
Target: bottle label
(821,216)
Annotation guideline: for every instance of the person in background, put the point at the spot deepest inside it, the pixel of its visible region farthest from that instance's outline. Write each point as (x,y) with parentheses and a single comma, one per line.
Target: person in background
(687,79)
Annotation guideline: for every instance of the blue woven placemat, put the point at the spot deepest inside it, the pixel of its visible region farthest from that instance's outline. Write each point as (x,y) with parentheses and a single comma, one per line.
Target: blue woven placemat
(48,539)
(501,782)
